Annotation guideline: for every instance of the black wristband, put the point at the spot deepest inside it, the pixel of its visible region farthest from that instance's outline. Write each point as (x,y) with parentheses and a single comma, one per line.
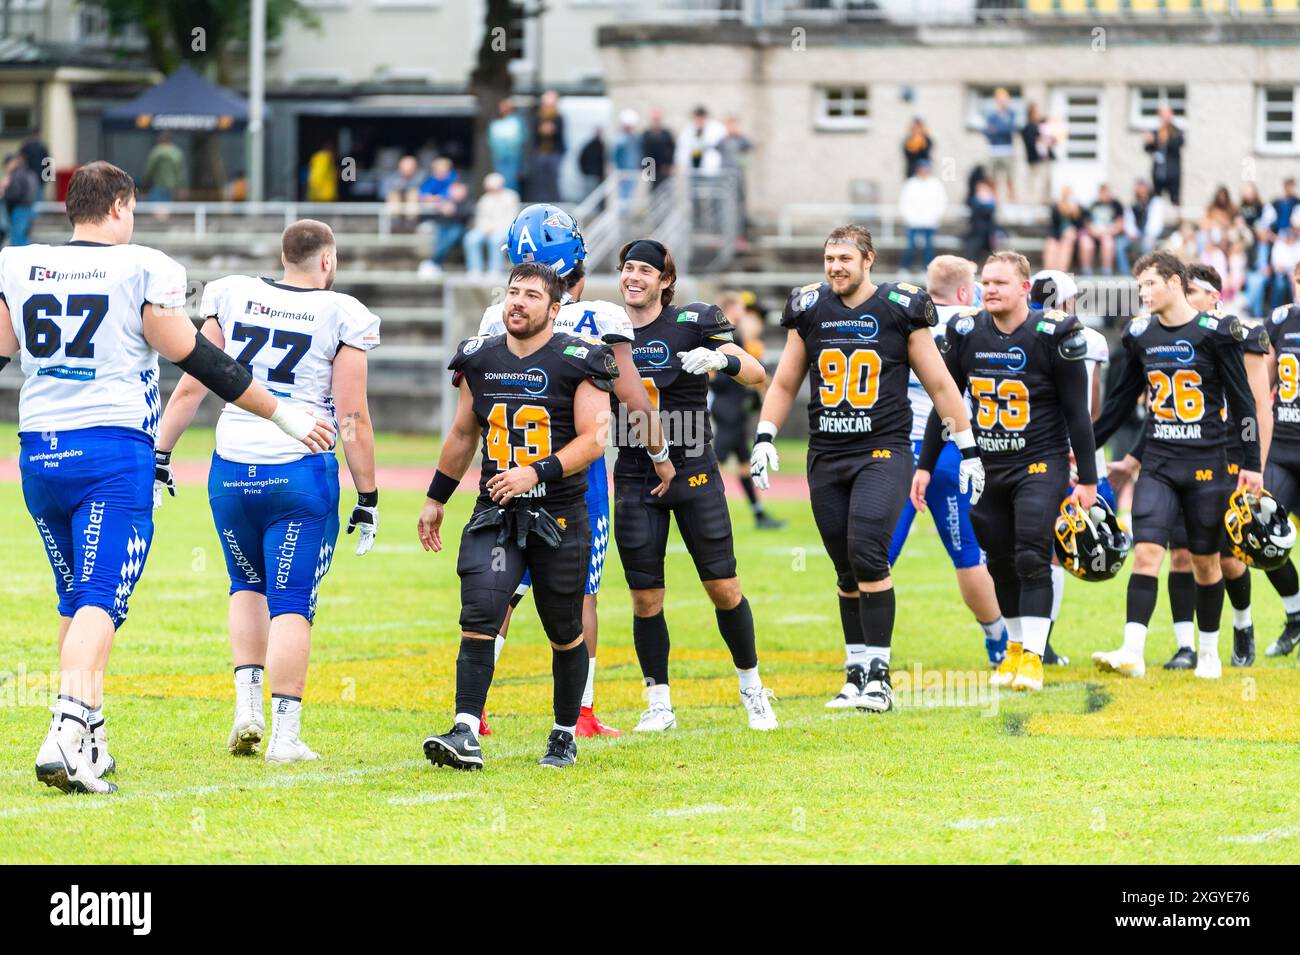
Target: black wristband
(549,469)
(442,487)
(732,367)
(971,452)
(768,436)
(368,498)
(162,457)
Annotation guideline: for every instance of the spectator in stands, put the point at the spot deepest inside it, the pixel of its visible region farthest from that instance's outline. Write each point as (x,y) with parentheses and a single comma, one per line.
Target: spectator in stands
(628,152)
(164,170)
(505,136)
(1219,217)
(982,234)
(591,161)
(1040,149)
(659,146)
(1144,220)
(1166,148)
(1066,221)
(236,190)
(697,146)
(401,192)
(916,147)
(322,175)
(1185,242)
(451,217)
(493,213)
(732,149)
(36,154)
(1283,261)
(1000,131)
(20,188)
(1103,229)
(921,204)
(548,149)
(437,185)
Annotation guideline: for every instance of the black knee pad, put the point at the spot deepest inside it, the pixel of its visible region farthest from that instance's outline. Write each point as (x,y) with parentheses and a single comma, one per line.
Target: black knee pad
(869,560)
(847,583)
(1031,564)
(1002,568)
(561,618)
(483,610)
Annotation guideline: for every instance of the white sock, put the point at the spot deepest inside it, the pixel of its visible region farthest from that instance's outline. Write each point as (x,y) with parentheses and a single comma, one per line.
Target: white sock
(855,655)
(589,692)
(1241,618)
(1185,634)
(568,729)
(1291,603)
(498,644)
(749,679)
(659,693)
(470,720)
(1058,590)
(993,630)
(1015,631)
(94,717)
(1135,637)
(1034,633)
(248,689)
(878,653)
(1208,643)
(286,716)
(66,709)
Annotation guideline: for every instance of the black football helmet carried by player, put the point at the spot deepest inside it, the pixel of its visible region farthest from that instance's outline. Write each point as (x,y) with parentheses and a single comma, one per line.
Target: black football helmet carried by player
(1090,543)
(1259,530)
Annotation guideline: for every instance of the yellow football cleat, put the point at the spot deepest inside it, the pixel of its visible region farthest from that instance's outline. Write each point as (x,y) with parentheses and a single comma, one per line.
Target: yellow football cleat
(1029,675)
(1010,665)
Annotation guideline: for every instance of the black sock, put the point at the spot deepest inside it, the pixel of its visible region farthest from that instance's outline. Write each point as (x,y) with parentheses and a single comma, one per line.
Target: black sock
(569,670)
(1036,596)
(474,666)
(1285,580)
(877,613)
(747,485)
(1238,591)
(650,637)
(851,619)
(737,628)
(1182,595)
(1141,603)
(1209,606)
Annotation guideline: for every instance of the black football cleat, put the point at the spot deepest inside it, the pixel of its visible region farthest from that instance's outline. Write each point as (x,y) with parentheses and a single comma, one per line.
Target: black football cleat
(458,749)
(561,750)
(766,522)
(1285,643)
(1053,659)
(1184,658)
(1243,646)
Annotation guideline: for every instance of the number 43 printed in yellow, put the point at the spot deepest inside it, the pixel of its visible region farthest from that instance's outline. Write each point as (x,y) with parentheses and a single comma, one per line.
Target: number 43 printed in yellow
(533,424)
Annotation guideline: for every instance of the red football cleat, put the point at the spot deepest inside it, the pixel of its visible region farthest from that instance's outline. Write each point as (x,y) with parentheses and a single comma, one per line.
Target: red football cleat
(483,728)
(589,724)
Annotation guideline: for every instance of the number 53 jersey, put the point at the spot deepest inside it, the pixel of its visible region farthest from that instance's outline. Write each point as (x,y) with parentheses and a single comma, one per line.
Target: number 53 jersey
(287,337)
(77,310)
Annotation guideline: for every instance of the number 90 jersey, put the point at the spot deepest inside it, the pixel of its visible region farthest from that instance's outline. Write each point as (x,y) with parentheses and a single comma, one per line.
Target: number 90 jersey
(858,364)
(287,337)
(1284,331)
(602,321)
(525,404)
(77,310)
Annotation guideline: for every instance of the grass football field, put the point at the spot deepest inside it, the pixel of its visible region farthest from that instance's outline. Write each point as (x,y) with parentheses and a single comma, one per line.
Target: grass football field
(1092,770)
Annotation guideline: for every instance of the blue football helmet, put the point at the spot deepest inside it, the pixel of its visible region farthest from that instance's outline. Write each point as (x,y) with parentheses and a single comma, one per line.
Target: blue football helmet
(546,234)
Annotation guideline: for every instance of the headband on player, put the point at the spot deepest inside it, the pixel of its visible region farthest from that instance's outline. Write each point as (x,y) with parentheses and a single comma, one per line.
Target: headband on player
(1204,285)
(648,251)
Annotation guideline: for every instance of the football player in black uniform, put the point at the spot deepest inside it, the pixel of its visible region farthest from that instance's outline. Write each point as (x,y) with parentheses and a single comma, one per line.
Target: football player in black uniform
(1188,362)
(1029,388)
(537,403)
(857,341)
(675,349)
(1282,473)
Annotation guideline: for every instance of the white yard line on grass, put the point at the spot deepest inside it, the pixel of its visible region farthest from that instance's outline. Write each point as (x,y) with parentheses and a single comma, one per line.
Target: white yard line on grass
(708,809)
(427,797)
(1271,835)
(989,823)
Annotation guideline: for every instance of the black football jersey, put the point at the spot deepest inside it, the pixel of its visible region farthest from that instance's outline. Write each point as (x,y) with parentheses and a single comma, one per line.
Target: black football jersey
(1255,342)
(525,404)
(681,399)
(1284,333)
(1014,380)
(1187,373)
(858,365)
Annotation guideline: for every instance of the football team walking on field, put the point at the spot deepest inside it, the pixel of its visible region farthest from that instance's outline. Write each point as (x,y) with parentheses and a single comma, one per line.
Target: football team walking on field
(976,399)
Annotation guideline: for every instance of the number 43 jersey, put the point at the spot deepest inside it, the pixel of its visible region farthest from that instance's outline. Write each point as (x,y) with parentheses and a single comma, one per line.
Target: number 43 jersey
(77,310)
(287,337)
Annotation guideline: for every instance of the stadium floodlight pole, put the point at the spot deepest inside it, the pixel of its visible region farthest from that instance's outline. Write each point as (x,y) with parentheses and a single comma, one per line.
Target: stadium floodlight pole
(256,96)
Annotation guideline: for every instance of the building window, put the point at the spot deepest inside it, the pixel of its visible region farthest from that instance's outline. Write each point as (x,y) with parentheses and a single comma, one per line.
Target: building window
(980,102)
(1276,130)
(16,120)
(843,108)
(1145,101)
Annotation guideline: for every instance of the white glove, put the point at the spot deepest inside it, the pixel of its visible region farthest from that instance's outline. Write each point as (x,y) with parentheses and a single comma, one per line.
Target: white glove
(970,477)
(365,516)
(297,423)
(700,361)
(163,480)
(763,460)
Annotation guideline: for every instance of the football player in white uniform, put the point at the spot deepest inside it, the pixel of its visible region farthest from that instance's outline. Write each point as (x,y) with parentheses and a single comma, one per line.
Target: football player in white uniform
(549,235)
(276,508)
(90,318)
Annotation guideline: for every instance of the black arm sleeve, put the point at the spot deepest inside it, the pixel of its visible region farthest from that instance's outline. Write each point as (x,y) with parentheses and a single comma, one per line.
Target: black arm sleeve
(223,376)
(1119,403)
(932,445)
(1241,401)
(1071,378)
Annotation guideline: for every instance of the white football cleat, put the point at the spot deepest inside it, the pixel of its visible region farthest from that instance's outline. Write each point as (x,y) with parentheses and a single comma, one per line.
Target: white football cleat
(757,705)
(288,749)
(855,678)
(878,694)
(94,748)
(1208,667)
(657,719)
(246,734)
(1122,661)
(60,762)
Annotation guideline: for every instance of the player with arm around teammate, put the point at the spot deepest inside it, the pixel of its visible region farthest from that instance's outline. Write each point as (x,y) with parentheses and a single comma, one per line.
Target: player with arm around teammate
(274,507)
(90,318)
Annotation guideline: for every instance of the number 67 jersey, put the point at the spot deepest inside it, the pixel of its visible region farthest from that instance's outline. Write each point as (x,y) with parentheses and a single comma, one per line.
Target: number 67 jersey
(287,337)
(77,311)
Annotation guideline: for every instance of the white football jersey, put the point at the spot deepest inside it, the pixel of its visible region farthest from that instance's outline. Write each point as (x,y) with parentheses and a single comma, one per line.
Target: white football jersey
(77,310)
(922,404)
(604,321)
(288,338)
(1097,355)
